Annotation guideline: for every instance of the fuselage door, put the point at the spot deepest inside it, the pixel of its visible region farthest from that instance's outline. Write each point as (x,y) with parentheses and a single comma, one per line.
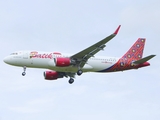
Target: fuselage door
(25,55)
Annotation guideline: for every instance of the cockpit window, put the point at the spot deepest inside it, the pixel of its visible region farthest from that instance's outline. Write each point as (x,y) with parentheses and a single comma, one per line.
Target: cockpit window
(14,53)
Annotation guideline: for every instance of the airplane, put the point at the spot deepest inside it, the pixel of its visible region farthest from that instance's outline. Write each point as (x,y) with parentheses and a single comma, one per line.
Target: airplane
(69,65)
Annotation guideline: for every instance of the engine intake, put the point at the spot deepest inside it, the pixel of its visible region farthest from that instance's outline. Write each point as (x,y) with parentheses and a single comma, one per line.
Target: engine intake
(52,75)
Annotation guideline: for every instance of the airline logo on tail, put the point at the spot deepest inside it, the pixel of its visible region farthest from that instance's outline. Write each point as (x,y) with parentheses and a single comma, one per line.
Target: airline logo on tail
(136,51)
(132,58)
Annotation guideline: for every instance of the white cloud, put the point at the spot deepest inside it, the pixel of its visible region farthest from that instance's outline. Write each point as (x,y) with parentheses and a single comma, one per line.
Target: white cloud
(37,104)
(141,16)
(116,94)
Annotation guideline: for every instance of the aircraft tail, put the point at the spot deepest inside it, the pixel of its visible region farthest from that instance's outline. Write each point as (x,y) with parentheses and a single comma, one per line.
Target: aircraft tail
(132,59)
(143,60)
(136,51)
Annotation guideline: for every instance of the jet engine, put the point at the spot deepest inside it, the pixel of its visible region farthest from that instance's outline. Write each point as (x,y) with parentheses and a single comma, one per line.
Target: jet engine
(52,75)
(62,62)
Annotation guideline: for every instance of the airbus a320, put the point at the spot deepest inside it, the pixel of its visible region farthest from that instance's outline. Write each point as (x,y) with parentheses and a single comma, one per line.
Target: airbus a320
(69,65)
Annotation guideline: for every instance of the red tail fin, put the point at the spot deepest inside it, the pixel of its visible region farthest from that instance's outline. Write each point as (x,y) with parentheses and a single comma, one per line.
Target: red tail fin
(136,51)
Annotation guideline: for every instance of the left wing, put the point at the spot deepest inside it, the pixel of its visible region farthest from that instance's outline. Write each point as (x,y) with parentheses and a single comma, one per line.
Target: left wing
(81,57)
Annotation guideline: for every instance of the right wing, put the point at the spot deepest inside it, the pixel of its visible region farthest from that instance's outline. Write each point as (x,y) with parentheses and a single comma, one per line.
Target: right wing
(81,57)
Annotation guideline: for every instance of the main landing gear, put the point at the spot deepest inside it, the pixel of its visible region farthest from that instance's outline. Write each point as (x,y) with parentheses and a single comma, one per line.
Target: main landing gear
(71,80)
(24,71)
(79,72)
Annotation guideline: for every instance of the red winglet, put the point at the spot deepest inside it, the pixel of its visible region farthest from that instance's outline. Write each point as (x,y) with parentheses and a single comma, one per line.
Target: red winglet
(117,30)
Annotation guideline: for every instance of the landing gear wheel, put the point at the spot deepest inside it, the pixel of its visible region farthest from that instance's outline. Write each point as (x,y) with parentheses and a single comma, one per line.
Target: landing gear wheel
(23,74)
(71,80)
(79,72)
(24,69)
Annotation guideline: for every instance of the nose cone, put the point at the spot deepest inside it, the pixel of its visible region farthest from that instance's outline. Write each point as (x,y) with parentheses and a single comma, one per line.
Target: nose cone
(7,60)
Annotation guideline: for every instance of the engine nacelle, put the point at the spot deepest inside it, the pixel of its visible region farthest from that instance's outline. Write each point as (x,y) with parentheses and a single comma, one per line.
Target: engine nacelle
(62,62)
(52,75)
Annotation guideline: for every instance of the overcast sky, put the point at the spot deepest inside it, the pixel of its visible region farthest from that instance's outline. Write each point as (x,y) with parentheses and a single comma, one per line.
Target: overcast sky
(70,26)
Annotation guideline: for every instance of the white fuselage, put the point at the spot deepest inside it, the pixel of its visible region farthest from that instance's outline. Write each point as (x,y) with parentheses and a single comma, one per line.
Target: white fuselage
(46,60)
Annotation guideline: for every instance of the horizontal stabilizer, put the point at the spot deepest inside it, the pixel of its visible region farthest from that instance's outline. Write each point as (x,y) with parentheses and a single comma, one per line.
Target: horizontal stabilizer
(144,59)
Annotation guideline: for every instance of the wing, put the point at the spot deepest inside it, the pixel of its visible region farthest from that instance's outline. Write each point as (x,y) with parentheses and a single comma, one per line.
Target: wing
(81,57)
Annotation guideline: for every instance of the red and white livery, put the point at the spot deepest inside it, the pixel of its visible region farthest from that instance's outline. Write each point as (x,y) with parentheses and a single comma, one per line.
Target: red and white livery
(68,65)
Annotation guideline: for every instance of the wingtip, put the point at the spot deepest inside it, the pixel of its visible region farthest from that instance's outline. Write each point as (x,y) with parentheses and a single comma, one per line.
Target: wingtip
(116,32)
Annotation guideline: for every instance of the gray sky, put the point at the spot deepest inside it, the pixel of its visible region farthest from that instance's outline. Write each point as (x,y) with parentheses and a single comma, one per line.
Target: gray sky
(70,26)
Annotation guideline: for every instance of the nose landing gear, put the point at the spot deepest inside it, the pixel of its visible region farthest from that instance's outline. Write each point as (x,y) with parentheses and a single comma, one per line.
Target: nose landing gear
(24,71)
